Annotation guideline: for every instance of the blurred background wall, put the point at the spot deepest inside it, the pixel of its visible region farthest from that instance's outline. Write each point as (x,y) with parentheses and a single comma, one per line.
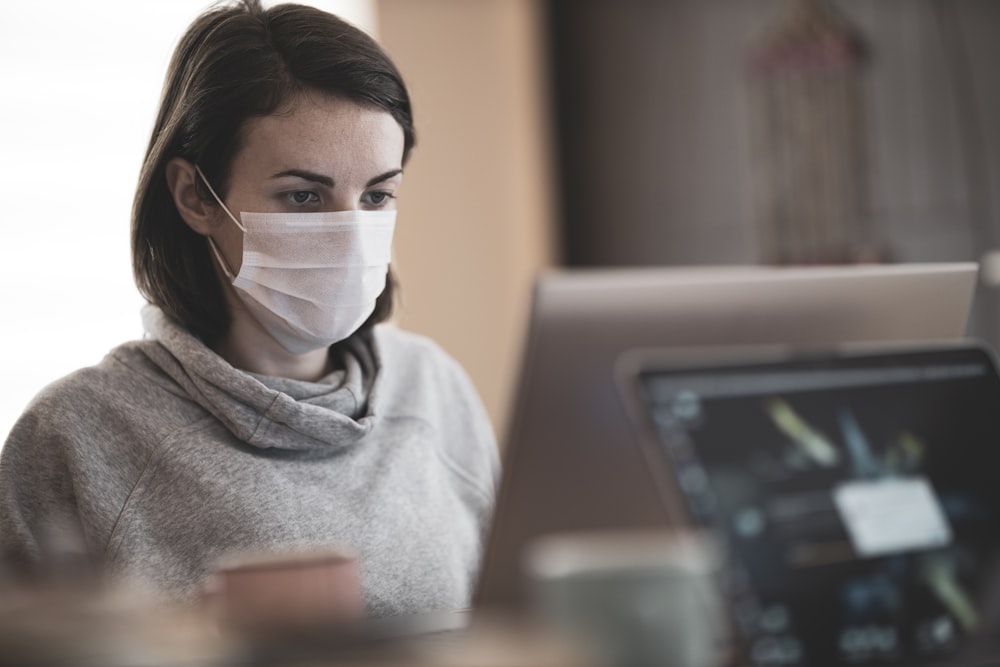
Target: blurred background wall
(654,120)
(478,204)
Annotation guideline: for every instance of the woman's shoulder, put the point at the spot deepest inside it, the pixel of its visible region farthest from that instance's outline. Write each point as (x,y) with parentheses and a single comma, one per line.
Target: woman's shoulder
(117,375)
(392,339)
(414,359)
(79,391)
(109,395)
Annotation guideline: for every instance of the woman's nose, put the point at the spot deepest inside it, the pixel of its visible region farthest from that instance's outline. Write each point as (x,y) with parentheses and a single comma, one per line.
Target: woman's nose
(344,202)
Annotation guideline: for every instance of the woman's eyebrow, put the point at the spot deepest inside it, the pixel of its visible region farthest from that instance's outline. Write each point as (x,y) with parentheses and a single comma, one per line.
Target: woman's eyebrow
(384,177)
(328,182)
(307,175)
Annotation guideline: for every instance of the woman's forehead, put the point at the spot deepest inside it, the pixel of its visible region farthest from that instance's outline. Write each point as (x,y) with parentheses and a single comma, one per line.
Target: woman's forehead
(320,133)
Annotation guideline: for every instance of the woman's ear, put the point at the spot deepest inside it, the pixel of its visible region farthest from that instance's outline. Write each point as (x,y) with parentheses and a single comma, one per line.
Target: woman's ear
(182,181)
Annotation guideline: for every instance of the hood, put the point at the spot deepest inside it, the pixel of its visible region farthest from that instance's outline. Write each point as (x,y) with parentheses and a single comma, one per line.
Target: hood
(269,412)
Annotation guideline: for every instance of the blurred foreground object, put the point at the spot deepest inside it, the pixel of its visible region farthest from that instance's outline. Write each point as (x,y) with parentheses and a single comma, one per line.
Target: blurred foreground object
(292,593)
(54,627)
(280,609)
(809,139)
(127,629)
(637,599)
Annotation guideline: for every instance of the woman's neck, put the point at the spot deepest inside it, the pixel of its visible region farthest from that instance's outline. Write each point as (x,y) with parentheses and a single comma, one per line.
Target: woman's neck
(249,347)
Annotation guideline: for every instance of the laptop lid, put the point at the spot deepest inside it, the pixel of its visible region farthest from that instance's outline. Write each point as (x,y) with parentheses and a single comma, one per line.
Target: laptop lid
(571,458)
(856,493)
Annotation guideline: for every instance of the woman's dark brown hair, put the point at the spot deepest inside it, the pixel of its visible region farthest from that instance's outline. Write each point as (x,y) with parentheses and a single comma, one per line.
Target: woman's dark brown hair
(234,63)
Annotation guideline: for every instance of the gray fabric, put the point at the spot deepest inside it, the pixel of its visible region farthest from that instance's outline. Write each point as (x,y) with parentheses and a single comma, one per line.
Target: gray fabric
(167,458)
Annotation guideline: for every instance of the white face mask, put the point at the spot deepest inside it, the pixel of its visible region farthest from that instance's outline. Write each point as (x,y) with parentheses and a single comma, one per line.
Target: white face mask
(310,279)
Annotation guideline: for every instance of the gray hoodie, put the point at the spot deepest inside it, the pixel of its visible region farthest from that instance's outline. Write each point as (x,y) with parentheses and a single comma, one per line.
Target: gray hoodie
(166,458)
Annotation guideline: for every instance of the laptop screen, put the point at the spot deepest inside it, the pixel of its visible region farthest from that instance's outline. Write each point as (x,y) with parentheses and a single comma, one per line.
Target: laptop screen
(858,497)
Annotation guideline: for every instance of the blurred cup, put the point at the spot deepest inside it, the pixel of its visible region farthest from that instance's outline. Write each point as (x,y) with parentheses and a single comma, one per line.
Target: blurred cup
(632,599)
(300,592)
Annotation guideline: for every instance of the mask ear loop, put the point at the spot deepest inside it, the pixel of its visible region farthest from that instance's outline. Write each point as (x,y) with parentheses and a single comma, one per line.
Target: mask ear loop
(211,242)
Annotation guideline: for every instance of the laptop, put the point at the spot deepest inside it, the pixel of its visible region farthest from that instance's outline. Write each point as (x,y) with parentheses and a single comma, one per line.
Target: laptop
(571,458)
(855,491)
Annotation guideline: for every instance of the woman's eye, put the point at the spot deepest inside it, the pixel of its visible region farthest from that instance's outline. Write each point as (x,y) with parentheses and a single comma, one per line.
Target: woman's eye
(378,198)
(302,197)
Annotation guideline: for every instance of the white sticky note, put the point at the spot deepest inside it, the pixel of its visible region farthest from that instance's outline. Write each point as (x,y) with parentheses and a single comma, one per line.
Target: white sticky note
(891,516)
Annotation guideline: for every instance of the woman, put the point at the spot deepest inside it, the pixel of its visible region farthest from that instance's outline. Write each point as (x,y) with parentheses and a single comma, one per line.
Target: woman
(265,410)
